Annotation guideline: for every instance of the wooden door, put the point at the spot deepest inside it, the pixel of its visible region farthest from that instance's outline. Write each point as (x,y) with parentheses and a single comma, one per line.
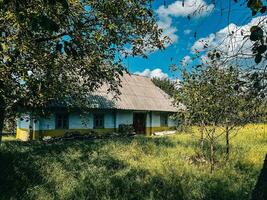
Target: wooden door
(139,123)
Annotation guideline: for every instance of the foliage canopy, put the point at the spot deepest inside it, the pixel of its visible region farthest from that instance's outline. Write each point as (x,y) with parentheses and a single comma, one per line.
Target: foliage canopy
(51,49)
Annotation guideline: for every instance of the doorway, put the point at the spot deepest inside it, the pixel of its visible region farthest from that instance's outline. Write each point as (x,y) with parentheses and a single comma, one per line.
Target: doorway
(139,123)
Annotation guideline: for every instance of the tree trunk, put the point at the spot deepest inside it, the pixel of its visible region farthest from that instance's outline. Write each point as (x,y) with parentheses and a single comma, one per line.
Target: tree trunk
(201,136)
(2,116)
(227,142)
(212,152)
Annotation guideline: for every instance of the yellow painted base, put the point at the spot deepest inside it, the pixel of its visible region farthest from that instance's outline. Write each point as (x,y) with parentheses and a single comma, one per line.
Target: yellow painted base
(25,135)
(62,132)
(152,130)
(22,134)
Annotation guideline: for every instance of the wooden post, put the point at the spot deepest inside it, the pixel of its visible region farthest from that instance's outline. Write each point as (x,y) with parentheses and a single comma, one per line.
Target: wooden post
(150,122)
(201,135)
(227,143)
(212,151)
(115,120)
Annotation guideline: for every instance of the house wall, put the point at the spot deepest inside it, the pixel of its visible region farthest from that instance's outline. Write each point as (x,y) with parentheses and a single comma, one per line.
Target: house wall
(109,120)
(156,126)
(23,127)
(124,117)
(47,123)
(83,123)
(80,121)
(156,120)
(24,121)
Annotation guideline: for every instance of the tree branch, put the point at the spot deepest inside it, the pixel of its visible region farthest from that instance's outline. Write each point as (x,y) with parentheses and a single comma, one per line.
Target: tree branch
(44,39)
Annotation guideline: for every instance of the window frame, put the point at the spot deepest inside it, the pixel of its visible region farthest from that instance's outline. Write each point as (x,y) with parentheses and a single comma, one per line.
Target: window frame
(62,117)
(99,117)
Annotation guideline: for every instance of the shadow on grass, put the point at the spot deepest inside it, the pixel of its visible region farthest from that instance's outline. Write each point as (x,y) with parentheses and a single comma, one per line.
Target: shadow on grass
(260,190)
(129,184)
(17,173)
(97,174)
(88,170)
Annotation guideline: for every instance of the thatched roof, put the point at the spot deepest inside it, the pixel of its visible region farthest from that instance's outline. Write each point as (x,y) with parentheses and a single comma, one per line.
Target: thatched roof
(137,93)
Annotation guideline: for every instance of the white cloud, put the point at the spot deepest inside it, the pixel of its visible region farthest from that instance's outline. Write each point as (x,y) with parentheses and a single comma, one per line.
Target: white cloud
(186,60)
(230,40)
(156,73)
(187,31)
(192,8)
(204,59)
(165,23)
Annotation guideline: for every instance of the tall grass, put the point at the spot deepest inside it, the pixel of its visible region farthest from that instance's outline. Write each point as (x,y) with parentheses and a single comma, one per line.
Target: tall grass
(132,168)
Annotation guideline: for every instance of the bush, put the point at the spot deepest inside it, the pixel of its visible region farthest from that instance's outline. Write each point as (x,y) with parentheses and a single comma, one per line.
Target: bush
(126,129)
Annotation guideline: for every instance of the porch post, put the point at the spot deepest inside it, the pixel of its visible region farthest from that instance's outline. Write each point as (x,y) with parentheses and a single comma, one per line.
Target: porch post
(115,120)
(150,122)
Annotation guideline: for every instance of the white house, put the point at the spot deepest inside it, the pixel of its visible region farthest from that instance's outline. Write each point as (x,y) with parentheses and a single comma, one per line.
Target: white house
(141,104)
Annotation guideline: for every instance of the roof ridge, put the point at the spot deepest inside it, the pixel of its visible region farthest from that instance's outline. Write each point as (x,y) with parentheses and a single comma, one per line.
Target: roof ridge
(132,74)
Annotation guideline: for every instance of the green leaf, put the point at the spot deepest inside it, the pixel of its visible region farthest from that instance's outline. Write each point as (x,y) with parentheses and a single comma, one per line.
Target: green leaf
(256,33)
(255,5)
(258,58)
(59,47)
(263,9)
(262,48)
(44,22)
(218,55)
(254,12)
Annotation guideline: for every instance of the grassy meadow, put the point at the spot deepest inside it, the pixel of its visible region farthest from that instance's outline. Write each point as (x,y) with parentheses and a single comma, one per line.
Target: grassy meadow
(169,167)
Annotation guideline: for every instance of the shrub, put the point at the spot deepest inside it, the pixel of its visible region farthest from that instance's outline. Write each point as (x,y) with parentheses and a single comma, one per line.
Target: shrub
(126,129)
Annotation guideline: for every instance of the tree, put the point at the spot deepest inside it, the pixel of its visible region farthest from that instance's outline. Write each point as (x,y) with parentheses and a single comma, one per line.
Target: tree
(167,85)
(257,32)
(215,96)
(53,51)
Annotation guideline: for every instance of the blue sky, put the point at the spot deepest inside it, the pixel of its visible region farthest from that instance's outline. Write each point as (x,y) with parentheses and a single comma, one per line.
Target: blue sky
(212,20)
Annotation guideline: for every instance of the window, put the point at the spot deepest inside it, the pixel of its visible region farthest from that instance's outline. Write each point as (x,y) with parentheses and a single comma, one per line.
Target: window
(163,120)
(62,121)
(98,120)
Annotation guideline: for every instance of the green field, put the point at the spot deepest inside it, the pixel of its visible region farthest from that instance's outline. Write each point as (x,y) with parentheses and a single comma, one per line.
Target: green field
(140,167)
